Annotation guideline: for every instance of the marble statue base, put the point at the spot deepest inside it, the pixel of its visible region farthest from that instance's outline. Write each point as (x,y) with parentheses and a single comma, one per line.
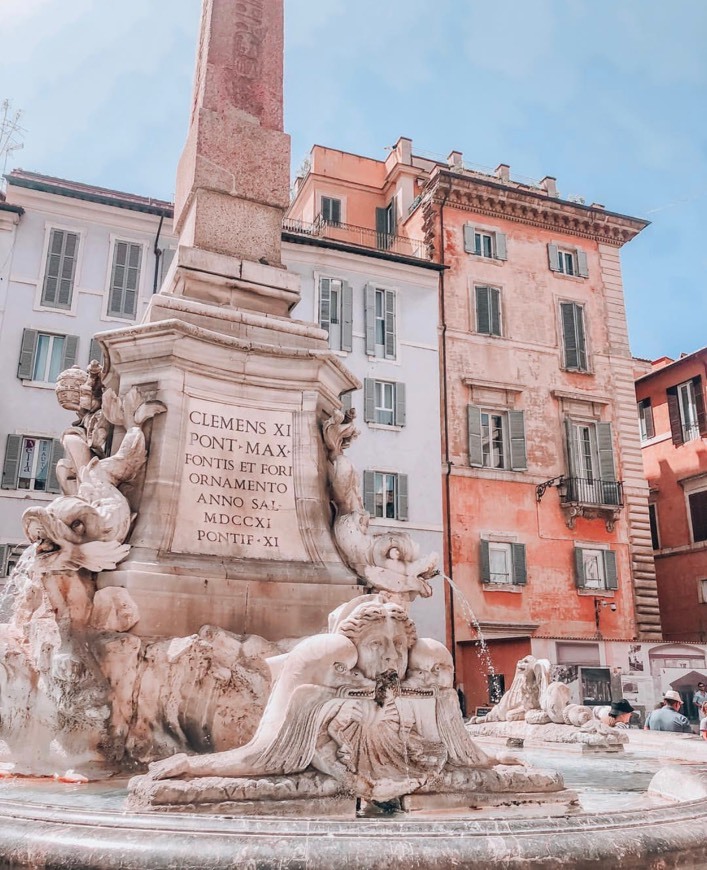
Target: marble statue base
(567,735)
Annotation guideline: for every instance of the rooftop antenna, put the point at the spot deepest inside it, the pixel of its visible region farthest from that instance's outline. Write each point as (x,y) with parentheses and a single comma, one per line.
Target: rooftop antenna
(11,133)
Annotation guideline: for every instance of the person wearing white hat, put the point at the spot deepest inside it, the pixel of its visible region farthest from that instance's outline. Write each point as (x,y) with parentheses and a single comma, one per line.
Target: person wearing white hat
(669,717)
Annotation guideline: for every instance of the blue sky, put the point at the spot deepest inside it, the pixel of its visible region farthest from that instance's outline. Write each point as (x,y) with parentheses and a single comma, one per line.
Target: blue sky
(609,96)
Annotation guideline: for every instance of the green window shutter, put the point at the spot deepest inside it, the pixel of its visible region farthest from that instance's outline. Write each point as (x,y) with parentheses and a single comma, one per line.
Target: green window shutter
(553,258)
(582,265)
(483,313)
(581,340)
(495,310)
(95,352)
(27,351)
(516,426)
(700,404)
(57,453)
(346,315)
(369,492)
(325,303)
(370,317)
(501,247)
(674,415)
(389,324)
(400,410)
(610,571)
(645,412)
(469,233)
(484,561)
(605,448)
(382,239)
(573,336)
(476,455)
(369,400)
(11,466)
(571,449)
(579,568)
(520,575)
(402,497)
(3,559)
(71,344)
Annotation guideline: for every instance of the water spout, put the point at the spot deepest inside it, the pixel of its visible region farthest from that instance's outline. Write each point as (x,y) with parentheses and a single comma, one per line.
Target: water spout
(482,649)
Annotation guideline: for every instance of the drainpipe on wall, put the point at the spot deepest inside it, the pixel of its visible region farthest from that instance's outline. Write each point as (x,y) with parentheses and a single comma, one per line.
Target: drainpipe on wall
(158,254)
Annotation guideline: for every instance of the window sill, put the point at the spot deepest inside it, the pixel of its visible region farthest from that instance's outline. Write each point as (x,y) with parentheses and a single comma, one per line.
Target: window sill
(493,261)
(487,334)
(578,371)
(502,587)
(597,593)
(575,278)
(37,495)
(41,385)
(384,426)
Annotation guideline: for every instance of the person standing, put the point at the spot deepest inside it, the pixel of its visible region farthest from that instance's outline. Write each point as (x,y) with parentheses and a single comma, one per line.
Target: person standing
(669,717)
(703,721)
(700,696)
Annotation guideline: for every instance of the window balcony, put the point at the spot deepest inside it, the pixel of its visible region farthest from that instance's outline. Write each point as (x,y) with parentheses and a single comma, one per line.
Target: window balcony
(591,498)
(359,237)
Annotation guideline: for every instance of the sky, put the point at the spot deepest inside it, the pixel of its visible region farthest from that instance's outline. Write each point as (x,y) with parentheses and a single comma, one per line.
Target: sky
(608,96)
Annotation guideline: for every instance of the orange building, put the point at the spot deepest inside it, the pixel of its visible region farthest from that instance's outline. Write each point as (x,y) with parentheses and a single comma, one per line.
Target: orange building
(673,427)
(547,532)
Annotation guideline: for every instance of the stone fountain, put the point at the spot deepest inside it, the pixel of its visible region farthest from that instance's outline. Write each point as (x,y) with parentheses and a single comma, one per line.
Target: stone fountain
(205,605)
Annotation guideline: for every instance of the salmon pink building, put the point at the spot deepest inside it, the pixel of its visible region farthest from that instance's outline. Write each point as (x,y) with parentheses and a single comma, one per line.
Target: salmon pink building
(546,524)
(673,427)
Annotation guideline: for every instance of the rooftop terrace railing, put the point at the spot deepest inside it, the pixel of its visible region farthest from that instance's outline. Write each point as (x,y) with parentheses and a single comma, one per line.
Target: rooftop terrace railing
(361,237)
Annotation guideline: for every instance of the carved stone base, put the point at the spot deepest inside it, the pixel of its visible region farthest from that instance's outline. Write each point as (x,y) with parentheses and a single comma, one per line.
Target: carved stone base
(588,741)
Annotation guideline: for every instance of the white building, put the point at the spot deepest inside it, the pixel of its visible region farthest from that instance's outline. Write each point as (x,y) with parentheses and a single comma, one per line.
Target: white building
(74,260)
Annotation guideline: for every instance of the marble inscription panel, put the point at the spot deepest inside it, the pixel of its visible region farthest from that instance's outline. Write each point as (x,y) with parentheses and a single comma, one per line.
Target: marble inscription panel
(237,497)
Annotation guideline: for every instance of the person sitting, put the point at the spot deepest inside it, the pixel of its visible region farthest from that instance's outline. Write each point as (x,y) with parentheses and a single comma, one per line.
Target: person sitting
(618,715)
(669,717)
(703,721)
(658,706)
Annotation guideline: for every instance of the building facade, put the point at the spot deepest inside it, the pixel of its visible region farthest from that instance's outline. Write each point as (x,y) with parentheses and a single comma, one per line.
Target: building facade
(673,428)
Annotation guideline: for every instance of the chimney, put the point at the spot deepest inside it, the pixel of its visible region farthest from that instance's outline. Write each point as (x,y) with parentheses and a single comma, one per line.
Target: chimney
(454,160)
(503,171)
(549,185)
(403,148)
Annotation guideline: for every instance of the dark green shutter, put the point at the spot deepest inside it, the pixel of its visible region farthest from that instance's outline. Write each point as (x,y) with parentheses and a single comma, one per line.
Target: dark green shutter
(581,340)
(571,448)
(71,344)
(520,577)
(3,559)
(382,238)
(346,316)
(28,348)
(610,571)
(11,466)
(700,404)
(569,335)
(483,314)
(369,400)
(402,495)
(390,324)
(495,309)
(674,415)
(516,426)
(553,258)
(60,269)
(501,248)
(582,265)
(484,561)
(369,493)
(605,449)
(579,568)
(476,455)
(400,410)
(56,455)
(370,317)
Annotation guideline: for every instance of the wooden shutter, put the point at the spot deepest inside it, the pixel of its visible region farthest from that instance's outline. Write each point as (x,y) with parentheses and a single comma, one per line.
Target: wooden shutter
(476,454)
(500,246)
(700,405)
(28,348)
(553,258)
(389,324)
(495,310)
(516,426)
(469,233)
(370,317)
(3,559)
(382,228)
(60,269)
(401,512)
(400,410)
(573,336)
(125,277)
(484,561)
(56,455)
(698,515)
(11,465)
(71,344)
(369,492)
(610,573)
(325,303)
(579,568)
(95,352)
(674,415)
(581,339)
(369,400)
(483,313)
(582,265)
(346,316)
(520,577)
(645,412)
(605,449)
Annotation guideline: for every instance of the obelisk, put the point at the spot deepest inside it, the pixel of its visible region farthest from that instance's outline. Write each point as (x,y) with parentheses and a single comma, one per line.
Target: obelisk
(233,522)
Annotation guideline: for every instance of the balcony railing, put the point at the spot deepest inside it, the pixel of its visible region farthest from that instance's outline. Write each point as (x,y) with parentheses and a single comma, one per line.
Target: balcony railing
(590,491)
(361,237)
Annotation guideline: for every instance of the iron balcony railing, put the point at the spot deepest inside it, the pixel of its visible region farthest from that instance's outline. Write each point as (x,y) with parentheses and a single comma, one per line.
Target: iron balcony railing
(591,491)
(362,237)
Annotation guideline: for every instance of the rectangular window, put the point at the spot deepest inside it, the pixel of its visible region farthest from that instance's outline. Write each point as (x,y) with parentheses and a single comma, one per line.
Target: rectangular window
(381,338)
(331,210)
(488,310)
(686,410)
(125,279)
(503,562)
(336,312)
(384,402)
(386,225)
(592,474)
(500,562)
(496,439)
(595,568)
(43,355)
(30,463)
(493,440)
(385,494)
(653,519)
(485,243)
(698,514)
(645,420)
(573,336)
(568,261)
(58,285)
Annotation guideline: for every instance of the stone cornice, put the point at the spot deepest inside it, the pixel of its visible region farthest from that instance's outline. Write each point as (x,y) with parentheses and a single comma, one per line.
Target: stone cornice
(523,205)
